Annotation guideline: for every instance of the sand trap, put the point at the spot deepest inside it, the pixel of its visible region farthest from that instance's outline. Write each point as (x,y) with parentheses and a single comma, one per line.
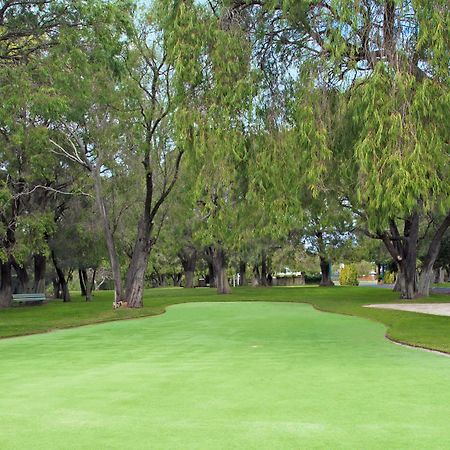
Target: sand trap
(438,309)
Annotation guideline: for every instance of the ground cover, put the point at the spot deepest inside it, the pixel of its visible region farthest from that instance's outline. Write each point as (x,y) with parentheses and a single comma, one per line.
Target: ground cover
(412,328)
(223,376)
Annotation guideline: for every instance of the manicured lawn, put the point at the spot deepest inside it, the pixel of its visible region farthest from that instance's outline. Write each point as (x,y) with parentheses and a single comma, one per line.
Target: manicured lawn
(259,375)
(412,328)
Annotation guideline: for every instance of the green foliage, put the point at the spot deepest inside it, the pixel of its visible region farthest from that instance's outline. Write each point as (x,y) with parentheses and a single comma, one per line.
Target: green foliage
(312,278)
(389,277)
(348,275)
(364,268)
(354,133)
(32,233)
(399,149)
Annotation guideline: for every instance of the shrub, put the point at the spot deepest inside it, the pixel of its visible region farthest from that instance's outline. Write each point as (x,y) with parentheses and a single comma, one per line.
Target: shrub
(389,277)
(348,276)
(312,278)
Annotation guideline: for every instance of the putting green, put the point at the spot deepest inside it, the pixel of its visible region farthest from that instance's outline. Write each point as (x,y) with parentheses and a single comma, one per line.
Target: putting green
(223,376)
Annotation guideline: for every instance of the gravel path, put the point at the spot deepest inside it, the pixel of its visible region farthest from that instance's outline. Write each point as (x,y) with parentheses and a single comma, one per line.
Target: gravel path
(438,309)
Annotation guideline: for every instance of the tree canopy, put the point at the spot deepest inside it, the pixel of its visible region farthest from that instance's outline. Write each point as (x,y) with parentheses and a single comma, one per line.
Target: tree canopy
(222,129)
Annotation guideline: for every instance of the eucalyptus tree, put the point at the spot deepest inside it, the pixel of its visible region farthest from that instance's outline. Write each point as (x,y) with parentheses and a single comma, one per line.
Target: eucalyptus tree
(151,78)
(30,26)
(32,182)
(211,50)
(178,238)
(327,231)
(368,116)
(381,69)
(88,131)
(122,118)
(78,244)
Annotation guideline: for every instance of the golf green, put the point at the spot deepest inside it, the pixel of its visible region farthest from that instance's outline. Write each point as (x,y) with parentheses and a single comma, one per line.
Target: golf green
(223,376)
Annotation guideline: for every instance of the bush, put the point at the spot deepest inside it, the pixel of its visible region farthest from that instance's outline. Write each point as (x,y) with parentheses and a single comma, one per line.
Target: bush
(389,278)
(313,278)
(348,276)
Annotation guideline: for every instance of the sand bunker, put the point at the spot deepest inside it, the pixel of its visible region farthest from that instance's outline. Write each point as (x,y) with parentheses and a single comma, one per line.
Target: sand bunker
(438,309)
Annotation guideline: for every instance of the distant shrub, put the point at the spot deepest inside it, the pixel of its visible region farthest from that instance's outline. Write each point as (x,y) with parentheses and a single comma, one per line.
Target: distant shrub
(389,277)
(348,276)
(312,278)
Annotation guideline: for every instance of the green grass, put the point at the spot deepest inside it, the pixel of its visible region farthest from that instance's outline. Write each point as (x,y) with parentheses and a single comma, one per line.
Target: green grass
(259,375)
(446,284)
(411,328)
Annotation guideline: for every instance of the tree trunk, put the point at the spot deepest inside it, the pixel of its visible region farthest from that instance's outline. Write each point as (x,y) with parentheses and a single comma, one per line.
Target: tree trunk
(138,265)
(188,258)
(110,244)
(144,242)
(56,288)
(256,276)
(325,272)
(40,264)
(85,285)
(219,263)
(135,278)
(407,279)
(63,284)
(403,250)
(324,262)
(263,275)
(425,280)
(407,263)
(189,279)
(90,285)
(81,277)
(379,273)
(242,269)
(176,279)
(5,284)
(426,274)
(22,277)
(211,277)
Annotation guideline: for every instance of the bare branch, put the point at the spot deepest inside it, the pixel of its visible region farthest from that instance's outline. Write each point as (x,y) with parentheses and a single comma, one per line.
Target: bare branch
(75,157)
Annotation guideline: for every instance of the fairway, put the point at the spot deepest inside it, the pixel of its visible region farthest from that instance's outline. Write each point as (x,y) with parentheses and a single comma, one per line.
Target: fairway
(241,375)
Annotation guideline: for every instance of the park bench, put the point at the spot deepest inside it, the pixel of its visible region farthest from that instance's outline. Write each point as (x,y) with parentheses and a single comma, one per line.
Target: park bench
(28,298)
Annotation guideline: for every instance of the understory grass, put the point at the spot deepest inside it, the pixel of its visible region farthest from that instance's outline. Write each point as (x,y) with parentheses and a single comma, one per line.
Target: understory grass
(428,331)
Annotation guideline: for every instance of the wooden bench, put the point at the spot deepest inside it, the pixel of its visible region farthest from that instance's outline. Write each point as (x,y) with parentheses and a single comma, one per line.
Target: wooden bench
(29,298)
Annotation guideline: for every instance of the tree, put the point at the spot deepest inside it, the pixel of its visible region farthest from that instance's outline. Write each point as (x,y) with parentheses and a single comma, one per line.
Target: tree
(182,222)
(31,181)
(443,260)
(389,141)
(30,26)
(210,51)
(151,76)
(78,243)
